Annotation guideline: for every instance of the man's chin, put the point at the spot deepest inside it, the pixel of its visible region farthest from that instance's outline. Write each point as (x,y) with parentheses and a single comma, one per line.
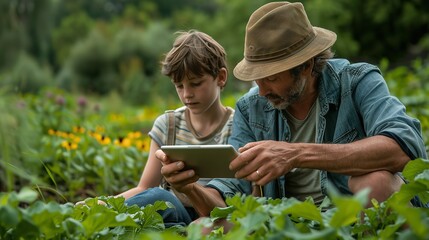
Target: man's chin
(280,105)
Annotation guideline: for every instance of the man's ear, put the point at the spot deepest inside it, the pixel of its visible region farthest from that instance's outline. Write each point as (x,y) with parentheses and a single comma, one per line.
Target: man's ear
(310,66)
(222,77)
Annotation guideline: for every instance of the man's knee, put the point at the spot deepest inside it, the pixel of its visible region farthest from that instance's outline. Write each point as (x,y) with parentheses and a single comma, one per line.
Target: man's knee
(382,184)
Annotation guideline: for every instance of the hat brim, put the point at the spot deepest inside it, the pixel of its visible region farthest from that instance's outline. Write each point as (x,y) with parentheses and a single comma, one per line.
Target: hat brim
(250,71)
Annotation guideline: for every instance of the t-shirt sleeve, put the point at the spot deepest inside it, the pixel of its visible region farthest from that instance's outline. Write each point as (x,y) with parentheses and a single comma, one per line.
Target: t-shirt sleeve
(158,133)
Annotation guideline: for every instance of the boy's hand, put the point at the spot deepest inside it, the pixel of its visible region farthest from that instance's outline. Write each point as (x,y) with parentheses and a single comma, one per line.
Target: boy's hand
(174,174)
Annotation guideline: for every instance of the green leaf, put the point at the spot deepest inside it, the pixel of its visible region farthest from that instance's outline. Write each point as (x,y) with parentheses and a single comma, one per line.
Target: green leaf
(417,219)
(253,221)
(117,203)
(347,212)
(99,160)
(27,195)
(237,234)
(389,231)
(9,217)
(100,220)
(218,212)
(327,233)
(48,217)
(26,230)
(194,230)
(415,167)
(72,227)
(362,196)
(407,192)
(151,218)
(306,210)
(423,178)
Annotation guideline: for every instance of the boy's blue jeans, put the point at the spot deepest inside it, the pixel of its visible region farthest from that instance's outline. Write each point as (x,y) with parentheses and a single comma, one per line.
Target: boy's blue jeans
(179,215)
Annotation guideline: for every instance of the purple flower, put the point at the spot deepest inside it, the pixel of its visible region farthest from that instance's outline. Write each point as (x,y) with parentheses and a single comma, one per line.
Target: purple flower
(49,95)
(60,100)
(81,101)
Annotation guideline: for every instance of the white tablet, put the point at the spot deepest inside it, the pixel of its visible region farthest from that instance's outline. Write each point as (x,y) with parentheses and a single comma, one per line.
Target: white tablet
(208,161)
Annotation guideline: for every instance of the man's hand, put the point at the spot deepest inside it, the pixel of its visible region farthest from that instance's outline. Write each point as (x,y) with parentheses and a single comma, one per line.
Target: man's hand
(263,161)
(179,179)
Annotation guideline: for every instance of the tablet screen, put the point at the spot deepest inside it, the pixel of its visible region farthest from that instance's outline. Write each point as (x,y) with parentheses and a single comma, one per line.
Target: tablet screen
(208,161)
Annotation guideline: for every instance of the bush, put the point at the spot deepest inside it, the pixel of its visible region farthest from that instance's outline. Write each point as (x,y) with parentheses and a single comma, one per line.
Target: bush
(92,66)
(26,76)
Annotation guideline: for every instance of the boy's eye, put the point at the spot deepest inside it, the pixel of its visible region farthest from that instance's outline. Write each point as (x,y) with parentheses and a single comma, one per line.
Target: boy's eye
(196,84)
(179,86)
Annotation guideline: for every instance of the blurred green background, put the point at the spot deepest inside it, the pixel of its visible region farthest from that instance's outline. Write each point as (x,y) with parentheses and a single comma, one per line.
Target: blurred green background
(104,46)
(68,65)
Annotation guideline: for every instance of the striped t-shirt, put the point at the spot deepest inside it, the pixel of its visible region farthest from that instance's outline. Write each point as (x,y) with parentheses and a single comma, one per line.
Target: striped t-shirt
(186,135)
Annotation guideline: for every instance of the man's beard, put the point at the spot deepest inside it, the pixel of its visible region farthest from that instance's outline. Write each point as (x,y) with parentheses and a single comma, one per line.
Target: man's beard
(291,97)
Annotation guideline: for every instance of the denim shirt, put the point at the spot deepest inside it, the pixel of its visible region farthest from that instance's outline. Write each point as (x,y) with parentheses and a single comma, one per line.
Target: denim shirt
(355,103)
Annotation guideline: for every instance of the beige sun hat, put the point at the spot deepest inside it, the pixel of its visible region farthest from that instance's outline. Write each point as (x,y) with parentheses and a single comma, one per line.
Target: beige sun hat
(279,36)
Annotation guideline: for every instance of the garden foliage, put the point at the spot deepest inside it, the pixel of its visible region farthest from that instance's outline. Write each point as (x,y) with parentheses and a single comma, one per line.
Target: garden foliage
(253,218)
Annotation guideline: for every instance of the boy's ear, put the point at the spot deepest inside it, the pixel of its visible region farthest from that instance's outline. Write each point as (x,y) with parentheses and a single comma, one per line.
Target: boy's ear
(222,77)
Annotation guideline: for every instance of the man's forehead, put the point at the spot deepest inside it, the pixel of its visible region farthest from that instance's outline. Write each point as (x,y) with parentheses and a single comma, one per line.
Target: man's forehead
(276,75)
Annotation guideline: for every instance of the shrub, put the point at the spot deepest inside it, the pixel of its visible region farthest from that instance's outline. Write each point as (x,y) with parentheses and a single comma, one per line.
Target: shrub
(26,76)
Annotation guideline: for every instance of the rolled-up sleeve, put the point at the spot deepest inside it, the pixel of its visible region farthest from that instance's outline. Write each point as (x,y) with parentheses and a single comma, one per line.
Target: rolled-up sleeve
(228,187)
(384,114)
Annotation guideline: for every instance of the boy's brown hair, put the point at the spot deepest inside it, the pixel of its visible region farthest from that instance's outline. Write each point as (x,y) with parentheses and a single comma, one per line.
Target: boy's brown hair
(193,53)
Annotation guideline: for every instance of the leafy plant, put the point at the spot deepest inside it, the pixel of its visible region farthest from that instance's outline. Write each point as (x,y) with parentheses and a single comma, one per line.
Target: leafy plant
(252,218)
(66,221)
(261,218)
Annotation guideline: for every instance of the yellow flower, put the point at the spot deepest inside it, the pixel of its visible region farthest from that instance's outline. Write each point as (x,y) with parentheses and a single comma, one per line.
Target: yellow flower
(134,135)
(91,133)
(103,140)
(62,134)
(140,145)
(75,139)
(71,135)
(143,145)
(69,145)
(78,129)
(123,142)
(146,146)
(51,132)
(99,129)
(96,136)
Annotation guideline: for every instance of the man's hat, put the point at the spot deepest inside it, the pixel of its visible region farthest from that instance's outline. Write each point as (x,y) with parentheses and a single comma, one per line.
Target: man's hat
(279,36)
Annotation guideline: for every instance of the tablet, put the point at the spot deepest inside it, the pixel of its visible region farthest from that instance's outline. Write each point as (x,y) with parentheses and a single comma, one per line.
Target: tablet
(208,161)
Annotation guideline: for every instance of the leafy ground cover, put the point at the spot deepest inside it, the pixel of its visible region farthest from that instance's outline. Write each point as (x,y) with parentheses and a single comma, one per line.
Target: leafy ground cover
(254,218)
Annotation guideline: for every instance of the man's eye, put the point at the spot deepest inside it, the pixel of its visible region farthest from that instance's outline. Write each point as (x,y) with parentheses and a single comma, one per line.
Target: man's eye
(196,84)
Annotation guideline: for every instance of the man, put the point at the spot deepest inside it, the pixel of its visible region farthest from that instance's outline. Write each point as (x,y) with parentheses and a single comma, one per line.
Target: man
(311,119)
